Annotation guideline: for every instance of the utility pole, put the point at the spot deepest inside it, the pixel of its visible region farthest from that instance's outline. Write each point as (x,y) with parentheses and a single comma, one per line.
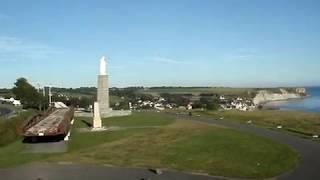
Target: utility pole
(50,95)
(38,87)
(40,100)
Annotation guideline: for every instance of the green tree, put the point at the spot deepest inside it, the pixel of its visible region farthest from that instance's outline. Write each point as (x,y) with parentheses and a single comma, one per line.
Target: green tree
(28,94)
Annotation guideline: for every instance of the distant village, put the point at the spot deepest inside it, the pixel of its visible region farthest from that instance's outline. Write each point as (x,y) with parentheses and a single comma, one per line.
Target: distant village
(11,101)
(225,103)
(162,102)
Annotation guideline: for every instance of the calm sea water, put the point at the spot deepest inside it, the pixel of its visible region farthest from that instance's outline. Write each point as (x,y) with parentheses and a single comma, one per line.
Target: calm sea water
(4,112)
(308,104)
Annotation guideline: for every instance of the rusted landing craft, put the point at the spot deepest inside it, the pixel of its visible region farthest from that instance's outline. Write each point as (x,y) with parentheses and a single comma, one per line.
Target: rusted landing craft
(55,122)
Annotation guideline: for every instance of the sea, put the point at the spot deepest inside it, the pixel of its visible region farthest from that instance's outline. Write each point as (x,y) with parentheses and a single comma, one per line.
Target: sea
(311,103)
(4,112)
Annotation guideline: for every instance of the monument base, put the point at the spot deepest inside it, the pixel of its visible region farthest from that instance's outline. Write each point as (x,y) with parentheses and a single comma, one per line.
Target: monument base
(98,129)
(112,113)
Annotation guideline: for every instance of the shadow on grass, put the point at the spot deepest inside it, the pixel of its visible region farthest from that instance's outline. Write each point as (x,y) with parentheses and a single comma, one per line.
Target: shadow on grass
(42,139)
(86,123)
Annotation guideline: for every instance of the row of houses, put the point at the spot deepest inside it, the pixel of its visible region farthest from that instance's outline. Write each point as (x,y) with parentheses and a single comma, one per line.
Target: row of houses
(226,103)
(236,103)
(157,103)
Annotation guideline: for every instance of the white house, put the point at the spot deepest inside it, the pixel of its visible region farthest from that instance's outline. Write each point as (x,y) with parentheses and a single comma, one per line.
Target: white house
(16,102)
(159,106)
(222,98)
(189,106)
(11,100)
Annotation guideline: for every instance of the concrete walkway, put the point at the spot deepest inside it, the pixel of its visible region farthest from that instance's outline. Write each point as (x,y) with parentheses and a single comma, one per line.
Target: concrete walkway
(48,147)
(309,163)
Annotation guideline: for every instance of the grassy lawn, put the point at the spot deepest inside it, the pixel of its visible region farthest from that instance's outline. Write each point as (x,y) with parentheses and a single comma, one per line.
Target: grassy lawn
(300,123)
(178,145)
(137,119)
(12,155)
(8,133)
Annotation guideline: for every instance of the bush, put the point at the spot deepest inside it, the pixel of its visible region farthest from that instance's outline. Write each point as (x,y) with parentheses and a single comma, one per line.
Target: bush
(8,127)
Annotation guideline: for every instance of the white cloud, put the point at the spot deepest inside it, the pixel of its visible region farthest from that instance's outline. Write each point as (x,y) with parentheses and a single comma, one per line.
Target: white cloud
(12,48)
(243,54)
(170,61)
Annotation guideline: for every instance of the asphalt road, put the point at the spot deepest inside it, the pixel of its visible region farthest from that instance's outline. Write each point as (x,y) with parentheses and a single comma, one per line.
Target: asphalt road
(309,162)
(81,172)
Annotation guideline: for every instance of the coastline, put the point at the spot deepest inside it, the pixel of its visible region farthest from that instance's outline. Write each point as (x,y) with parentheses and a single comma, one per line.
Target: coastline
(285,100)
(308,104)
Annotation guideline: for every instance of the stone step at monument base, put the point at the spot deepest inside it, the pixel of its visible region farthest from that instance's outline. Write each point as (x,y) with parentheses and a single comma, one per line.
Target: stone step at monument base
(112,113)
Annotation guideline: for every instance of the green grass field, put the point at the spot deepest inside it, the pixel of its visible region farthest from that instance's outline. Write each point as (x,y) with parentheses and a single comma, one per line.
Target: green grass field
(178,145)
(8,127)
(299,123)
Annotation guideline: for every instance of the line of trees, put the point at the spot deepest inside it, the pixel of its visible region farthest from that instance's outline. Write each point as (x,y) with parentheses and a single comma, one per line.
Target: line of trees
(28,95)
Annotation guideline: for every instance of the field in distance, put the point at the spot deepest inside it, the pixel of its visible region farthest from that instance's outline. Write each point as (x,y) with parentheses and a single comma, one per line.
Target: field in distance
(199,90)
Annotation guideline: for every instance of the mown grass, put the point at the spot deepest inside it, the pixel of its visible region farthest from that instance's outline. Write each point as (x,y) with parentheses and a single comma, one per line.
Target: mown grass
(11,147)
(136,119)
(298,122)
(226,152)
(177,145)
(13,155)
(184,146)
(199,90)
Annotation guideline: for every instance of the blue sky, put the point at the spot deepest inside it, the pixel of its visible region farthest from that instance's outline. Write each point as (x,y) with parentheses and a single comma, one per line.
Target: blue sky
(161,42)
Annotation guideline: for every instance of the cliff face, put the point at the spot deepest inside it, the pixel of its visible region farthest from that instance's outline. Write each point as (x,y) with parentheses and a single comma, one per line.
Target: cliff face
(264,96)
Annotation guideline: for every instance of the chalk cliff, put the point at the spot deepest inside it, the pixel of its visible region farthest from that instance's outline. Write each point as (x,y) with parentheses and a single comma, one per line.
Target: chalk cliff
(264,96)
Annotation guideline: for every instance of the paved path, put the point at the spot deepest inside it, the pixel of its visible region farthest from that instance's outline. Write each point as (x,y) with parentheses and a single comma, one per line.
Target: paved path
(309,164)
(46,147)
(81,172)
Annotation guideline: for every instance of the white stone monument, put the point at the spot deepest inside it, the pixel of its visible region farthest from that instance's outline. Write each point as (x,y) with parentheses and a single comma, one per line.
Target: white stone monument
(103,89)
(96,116)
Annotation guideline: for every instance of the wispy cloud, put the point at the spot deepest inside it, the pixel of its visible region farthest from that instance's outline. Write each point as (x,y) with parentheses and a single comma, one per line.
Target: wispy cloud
(242,54)
(170,61)
(12,48)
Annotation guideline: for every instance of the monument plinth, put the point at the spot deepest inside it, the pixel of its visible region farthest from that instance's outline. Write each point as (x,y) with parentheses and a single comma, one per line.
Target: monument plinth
(103,88)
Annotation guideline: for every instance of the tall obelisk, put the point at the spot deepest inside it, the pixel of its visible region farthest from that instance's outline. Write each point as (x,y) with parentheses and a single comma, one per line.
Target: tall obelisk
(103,88)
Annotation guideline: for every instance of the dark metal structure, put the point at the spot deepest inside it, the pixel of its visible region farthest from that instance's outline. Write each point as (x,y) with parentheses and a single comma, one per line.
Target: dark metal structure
(55,122)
